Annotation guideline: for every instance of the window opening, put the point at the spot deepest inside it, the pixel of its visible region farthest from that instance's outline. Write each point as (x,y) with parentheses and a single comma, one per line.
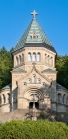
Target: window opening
(16,60)
(34,57)
(59,98)
(38,57)
(4,99)
(29,57)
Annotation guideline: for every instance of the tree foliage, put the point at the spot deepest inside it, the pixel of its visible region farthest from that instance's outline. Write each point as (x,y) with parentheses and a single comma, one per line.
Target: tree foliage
(62,68)
(33,130)
(5,67)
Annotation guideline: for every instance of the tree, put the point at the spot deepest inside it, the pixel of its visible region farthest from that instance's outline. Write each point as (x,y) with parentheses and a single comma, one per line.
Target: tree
(5,67)
(62,68)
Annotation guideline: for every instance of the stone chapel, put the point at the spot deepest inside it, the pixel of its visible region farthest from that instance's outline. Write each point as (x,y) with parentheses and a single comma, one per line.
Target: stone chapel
(34,75)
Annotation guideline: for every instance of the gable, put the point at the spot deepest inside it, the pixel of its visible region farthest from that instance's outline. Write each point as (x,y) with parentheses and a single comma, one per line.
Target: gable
(30,75)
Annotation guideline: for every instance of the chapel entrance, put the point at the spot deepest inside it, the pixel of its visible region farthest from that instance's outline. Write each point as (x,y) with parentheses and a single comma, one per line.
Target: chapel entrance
(31,105)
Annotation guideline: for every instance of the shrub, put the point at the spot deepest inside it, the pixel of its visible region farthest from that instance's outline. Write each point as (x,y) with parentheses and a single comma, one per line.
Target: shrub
(33,130)
(41,115)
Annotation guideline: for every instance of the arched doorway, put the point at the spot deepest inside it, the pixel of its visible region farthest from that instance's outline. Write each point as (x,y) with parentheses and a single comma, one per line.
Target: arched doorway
(32,95)
(36,105)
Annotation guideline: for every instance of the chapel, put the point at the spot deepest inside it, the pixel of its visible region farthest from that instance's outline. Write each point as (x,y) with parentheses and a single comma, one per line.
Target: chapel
(34,74)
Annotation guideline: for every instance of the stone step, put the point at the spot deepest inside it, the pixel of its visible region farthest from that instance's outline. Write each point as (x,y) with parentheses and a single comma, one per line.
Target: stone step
(26,115)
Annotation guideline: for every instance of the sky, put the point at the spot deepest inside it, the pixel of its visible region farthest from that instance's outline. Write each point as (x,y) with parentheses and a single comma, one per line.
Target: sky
(15,16)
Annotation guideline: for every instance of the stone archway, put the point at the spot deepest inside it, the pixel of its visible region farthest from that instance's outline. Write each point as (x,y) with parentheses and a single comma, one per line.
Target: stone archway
(28,96)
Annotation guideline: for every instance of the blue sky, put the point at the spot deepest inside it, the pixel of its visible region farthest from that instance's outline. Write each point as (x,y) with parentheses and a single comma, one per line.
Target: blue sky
(15,16)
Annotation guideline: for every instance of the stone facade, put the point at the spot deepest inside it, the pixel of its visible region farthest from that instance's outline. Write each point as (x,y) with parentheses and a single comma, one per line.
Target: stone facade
(34,76)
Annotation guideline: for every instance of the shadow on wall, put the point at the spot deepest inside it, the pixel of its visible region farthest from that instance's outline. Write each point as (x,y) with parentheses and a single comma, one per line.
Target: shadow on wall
(14,97)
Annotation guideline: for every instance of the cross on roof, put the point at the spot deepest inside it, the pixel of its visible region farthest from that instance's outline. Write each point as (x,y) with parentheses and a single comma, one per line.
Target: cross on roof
(34,13)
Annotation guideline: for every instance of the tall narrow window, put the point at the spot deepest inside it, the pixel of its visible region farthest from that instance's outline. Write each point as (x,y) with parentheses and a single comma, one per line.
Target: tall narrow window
(63,99)
(22,57)
(38,57)
(51,61)
(16,61)
(34,57)
(8,98)
(47,59)
(19,59)
(29,57)
(4,99)
(59,98)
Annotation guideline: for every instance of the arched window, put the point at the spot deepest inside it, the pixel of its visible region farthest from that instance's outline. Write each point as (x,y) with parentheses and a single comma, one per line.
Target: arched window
(29,57)
(16,60)
(34,57)
(8,98)
(34,78)
(0,100)
(63,99)
(38,57)
(22,57)
(39,81)
(59,98)
(29,81)
(51,61)
(19,59)
(4,99)
(47,59)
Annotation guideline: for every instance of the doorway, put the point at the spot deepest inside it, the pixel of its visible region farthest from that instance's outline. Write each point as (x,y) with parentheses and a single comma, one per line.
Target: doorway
(31,105)
(36,105)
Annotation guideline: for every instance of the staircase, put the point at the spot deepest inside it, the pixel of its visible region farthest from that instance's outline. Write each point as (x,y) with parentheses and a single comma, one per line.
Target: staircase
(26,115)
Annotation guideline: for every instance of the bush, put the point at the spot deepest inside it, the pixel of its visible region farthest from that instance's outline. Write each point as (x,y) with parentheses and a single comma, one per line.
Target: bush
(33,130)
(41,115)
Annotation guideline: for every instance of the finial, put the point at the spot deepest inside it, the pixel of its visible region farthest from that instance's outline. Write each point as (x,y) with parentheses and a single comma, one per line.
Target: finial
(34,13)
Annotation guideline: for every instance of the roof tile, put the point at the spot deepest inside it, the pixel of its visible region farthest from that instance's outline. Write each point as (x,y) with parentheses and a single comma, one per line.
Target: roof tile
(41,38)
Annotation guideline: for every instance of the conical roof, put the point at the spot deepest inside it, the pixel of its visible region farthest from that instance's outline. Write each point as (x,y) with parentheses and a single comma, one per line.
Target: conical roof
(33,35)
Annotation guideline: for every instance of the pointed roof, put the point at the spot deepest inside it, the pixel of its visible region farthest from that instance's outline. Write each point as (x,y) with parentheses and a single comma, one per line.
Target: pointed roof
(7,87)
(49,70)
(36,29)
(18,70)
(58,86)
(34,35)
